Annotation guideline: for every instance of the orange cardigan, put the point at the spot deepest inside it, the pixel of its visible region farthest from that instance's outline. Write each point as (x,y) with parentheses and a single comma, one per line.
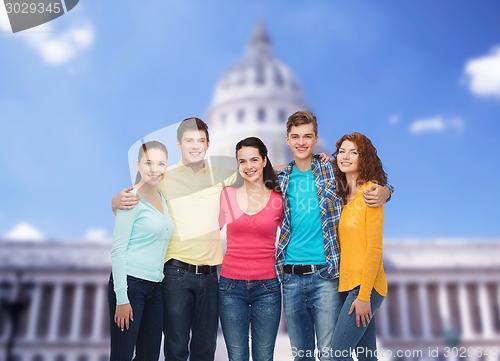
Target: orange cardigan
(360,233)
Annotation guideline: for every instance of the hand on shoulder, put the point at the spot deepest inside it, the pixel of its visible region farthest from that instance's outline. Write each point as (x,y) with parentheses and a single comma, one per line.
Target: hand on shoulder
(125,200)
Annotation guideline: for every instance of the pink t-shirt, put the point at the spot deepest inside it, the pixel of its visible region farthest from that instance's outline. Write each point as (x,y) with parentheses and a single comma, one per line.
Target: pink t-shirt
(251,239)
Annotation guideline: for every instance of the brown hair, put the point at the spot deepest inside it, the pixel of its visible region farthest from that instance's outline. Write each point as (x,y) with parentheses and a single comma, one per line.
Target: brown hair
(369,164)
(270,179)
(192,124)
(143,149)
(299,118)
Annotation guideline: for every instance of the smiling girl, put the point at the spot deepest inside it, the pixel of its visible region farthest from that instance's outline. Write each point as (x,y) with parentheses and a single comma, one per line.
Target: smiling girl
(140,241)
(362,281)
(249,292)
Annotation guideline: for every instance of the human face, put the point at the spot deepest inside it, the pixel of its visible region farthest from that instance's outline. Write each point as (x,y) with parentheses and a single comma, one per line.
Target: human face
(193,146)
(250,164)
(348,158)
(301,140)
(152,166)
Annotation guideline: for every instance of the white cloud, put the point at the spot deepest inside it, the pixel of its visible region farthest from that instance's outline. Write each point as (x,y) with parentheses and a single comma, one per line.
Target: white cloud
(57,48)
(97,235)
(24,231)
(483,74)
(436,124)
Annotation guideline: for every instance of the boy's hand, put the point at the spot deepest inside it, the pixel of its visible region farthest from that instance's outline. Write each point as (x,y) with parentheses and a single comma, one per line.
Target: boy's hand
(124,200)
(376,195)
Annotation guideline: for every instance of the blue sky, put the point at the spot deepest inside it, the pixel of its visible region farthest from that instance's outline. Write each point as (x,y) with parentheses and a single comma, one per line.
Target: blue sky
(420,78)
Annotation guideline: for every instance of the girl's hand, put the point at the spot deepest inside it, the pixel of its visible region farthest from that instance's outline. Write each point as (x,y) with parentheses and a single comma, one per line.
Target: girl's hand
(363,312)
(123,315)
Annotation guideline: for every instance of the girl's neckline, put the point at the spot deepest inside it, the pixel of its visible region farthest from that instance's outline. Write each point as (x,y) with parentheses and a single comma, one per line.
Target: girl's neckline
(252,213)
(163,205)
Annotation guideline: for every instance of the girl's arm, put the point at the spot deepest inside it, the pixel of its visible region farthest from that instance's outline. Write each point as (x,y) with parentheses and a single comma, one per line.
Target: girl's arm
(121,237)
(373,255)
(371,264)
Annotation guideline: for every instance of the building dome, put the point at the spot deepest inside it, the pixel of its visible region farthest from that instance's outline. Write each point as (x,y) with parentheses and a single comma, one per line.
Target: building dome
(258,76)
(255,98)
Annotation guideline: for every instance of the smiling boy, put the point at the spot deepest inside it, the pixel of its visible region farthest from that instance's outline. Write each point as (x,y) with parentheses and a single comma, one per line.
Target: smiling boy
(308,254)
(190,285)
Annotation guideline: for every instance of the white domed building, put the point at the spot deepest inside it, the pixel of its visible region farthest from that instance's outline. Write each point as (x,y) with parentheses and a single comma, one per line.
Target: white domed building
(255,98)
(444,295)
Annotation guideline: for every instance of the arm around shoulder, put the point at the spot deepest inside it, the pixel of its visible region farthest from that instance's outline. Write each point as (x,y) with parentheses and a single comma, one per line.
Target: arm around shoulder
(124,200)
(376,195)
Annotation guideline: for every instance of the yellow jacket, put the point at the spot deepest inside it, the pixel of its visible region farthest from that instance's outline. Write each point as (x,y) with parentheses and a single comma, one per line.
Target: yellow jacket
(360,233)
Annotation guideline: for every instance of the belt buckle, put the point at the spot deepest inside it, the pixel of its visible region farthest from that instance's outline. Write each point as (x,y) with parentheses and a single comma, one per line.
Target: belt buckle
(311,271)
(196,271)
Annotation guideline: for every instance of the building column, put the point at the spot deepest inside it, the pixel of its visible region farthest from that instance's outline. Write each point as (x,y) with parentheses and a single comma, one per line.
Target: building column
(34,313)
(382,317)
(444,308)
(424,311)
(404,311)
(98,316)
(76,321)
(7,324)
(465,312)
(55,311)
(485,312)
(498,298)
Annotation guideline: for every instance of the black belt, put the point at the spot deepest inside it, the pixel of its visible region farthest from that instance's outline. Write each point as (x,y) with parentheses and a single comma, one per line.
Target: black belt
(302,269)
(199,270)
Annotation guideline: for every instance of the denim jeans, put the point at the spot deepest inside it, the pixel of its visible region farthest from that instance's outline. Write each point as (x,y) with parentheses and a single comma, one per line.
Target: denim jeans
(144,333)
(191,309)
(348,336)
(311,304)
(250,303)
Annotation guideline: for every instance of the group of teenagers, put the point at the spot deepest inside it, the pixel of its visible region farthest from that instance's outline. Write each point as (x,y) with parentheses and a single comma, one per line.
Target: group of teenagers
(326,266)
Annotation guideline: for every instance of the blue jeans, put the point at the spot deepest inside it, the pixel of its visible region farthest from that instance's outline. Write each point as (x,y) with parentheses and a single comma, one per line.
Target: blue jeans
(191,309)
(311,304)
(144,333)
(250,303)
(348,336)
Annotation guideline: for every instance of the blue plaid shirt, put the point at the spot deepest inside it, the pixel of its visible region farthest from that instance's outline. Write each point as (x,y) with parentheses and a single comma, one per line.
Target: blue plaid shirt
(330,208)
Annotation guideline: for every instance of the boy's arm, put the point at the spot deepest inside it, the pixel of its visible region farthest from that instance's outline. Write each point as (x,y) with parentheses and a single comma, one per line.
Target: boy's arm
(124,200)
(377,195)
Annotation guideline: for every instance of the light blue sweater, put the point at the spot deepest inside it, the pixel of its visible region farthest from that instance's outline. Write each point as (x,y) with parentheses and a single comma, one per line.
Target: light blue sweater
(140,241)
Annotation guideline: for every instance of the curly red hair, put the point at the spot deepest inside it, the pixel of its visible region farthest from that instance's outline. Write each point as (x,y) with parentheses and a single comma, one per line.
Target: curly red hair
(369,164)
